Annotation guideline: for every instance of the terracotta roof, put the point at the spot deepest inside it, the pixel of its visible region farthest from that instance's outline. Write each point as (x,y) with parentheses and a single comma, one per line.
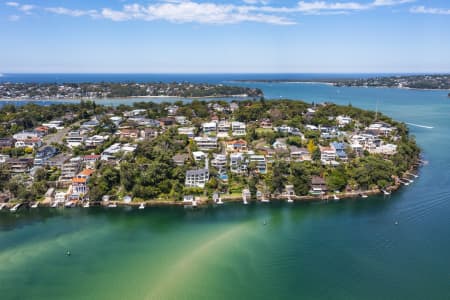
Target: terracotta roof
(79,180)
(86,172)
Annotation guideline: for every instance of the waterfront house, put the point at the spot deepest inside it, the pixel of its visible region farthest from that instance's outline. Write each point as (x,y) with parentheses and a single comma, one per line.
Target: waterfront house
(188,131)
(199,155)
(238,128)
(135,112)
(149,133)
(95,141)
(179,159)
(75,139)
(209,128)
(91,159)
(260,162)
(284,129)
(299,154)
(166,122)
(339,148)
(44,154)
(197,178)
(182,120)
(223,129)
(238,163)
(379,128)
(280,144)
(129,133)
(19,165)
(42,130)
(318,185)
(79,184)
(219,161)
(33,142)
(266,124)
(343,120)
(236,146)
(7,143)
(69,169)
(206,143)
(327,154)
(25,135)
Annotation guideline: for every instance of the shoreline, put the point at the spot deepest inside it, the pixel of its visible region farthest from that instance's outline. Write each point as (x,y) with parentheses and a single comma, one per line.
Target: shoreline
(128,98)
(204,202)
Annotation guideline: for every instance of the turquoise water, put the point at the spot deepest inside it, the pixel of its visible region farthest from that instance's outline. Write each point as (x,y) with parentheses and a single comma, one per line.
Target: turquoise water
(351,249)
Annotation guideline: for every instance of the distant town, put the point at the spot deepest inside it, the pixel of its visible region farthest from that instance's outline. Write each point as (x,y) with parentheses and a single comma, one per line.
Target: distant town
(435,82)
(73,154)
(40,91)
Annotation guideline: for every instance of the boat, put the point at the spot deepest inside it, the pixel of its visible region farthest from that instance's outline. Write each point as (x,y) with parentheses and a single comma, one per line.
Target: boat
(335,197)
(54,204)
(35,204)
(15,207)
(364,196)
(219,201)
(2,205)
(142,205)
(386,192)
(290,200)
(112,205)
(264,200)
(245,201)
(69,204)
(86,205)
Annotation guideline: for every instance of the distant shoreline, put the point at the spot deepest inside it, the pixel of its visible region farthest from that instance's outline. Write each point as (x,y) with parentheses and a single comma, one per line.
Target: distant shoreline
(125,98)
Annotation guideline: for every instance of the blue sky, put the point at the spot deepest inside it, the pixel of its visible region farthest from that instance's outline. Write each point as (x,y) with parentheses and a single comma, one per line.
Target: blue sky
(217,36)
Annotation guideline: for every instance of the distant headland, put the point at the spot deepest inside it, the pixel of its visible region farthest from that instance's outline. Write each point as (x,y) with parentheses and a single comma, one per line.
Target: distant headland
(432,82)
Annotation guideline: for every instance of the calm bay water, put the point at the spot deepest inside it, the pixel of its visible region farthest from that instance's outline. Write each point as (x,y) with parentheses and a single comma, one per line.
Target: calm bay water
(351,249)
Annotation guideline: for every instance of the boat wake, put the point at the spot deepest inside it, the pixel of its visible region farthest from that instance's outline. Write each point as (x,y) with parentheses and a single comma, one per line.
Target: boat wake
(418,125)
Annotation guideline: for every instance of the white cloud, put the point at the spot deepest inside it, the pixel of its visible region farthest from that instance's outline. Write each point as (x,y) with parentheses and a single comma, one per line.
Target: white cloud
(72,12)
(190,11)
(26,8)
(390,2)
(263,2)
(12,4)
(429,10)
(14,18)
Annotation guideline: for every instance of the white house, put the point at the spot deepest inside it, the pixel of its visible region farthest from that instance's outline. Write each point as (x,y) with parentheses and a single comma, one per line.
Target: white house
(206,143)
(238,128)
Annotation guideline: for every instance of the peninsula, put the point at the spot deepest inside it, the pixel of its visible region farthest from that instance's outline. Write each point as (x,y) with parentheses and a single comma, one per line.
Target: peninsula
(434,82)
(42,91)
(178,153)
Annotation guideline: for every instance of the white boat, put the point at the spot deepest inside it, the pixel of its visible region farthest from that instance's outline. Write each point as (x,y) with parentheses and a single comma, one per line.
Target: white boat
(245,201)
(142,205)
(386,192)
(264,200)
(86,205)
(15,207)
(335,197)
(290,200)
(69,204)
(112,205)
(364,196)
(54,204)
(35,204)
(219,201)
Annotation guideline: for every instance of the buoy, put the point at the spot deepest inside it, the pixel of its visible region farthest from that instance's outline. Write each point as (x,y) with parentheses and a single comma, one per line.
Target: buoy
(396,222)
